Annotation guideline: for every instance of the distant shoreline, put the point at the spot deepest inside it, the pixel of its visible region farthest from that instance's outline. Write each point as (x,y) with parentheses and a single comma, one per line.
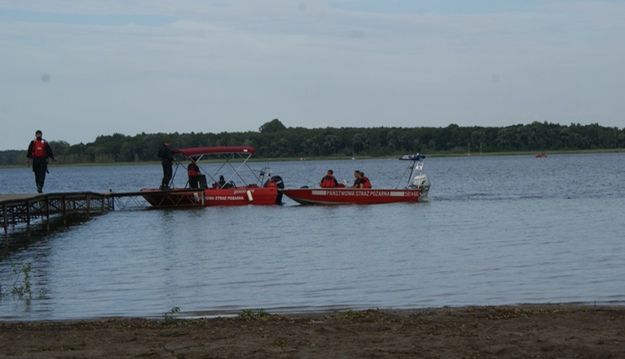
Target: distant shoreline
(340,158)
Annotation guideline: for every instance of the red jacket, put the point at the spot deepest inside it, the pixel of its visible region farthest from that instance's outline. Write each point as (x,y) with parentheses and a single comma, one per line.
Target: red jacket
(329,181)
(193,170)
(39,148)
(365,183)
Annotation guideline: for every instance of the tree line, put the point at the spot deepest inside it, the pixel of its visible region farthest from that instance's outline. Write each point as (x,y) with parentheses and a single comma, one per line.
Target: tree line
(274,140)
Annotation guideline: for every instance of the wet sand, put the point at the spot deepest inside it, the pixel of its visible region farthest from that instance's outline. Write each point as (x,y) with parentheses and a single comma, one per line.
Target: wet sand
(527,331)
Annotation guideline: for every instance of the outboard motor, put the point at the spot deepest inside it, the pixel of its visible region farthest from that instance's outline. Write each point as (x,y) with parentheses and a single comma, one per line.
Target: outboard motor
(276,181)
(422,183)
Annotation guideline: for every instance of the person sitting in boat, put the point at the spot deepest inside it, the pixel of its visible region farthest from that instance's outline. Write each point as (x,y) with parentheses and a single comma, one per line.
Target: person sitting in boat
(357,180)
(221,183)
(329,181)
(193,171)
(361,181)
(364,181)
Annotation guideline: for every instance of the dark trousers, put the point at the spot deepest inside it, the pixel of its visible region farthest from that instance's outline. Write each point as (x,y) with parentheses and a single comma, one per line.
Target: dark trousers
(198,182)
(167,172)
(40,167)
(194,181)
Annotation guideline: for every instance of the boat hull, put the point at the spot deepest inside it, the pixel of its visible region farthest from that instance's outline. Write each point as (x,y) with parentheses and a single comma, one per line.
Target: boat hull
(333,196)
(212,197)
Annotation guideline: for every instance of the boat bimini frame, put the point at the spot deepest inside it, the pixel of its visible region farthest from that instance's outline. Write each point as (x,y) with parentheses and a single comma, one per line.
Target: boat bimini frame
(229,154)
(417,179)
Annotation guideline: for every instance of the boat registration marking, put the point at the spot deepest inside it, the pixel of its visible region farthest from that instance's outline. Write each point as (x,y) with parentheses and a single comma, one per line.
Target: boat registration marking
(361,193)
(224,198)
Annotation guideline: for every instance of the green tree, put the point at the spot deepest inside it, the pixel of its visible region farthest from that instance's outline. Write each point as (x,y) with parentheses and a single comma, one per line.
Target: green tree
(272,126)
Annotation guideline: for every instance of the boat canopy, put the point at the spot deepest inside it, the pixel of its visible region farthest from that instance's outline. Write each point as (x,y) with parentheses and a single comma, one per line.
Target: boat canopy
(197,151)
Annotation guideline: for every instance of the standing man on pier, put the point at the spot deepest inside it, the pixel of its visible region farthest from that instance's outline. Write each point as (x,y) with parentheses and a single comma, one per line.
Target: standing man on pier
(38,152)
(166,154)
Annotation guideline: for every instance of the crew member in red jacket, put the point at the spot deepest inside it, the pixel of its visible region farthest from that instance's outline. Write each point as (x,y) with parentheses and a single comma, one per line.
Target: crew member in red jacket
(193,171)
(329,181)
(38,153)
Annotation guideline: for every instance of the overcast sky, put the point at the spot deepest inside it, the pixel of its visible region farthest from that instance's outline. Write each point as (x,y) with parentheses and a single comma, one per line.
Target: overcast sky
(77,69)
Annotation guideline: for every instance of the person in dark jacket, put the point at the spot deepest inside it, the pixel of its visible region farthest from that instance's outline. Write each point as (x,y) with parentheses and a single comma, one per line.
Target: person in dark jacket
(166,154)
(357,180)
(221,183)
(39,151)
(361,181)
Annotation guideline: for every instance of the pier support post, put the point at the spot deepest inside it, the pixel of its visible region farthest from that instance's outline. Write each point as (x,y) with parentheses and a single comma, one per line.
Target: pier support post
(5,222)
(47,213)
(88,205)
(64,210)
(27,213)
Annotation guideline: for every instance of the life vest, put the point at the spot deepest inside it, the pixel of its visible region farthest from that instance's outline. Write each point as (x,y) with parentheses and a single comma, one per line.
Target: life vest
(39,149)
(193,170)
(365,182)
(328,182)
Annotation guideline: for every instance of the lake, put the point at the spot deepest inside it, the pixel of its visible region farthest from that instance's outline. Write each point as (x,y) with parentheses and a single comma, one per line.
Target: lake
(497,230)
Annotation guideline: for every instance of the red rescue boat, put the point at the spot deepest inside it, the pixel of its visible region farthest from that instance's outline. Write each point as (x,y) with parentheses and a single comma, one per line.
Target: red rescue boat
(266,190)
(416,190)
(352,195)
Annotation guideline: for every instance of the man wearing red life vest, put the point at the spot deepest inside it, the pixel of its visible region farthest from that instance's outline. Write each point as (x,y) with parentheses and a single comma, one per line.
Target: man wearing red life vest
(193,171)
(38,152)
(329,181)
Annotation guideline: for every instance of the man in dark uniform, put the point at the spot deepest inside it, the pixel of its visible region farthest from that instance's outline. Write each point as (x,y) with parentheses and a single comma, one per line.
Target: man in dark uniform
(38,152)
(357,180)
(221,183)
(166,154)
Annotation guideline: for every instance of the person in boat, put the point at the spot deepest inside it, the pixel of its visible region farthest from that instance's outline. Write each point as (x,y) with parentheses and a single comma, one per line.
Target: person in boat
(361,181)
(356,179)
(38,153)
(193,171)
(329,181)
(364,181)
(166,155)
(221,183)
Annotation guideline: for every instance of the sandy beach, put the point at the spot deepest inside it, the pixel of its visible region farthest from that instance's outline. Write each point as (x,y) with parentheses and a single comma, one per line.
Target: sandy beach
(526,331)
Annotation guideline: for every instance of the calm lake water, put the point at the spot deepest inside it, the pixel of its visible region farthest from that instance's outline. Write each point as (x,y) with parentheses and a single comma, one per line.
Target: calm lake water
(497,230)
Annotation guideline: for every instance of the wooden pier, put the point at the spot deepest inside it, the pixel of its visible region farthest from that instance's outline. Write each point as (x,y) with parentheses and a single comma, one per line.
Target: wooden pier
(29,209)
(19,211)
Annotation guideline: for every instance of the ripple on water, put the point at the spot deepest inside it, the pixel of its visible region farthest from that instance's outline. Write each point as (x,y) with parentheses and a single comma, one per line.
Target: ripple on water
(498,230)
